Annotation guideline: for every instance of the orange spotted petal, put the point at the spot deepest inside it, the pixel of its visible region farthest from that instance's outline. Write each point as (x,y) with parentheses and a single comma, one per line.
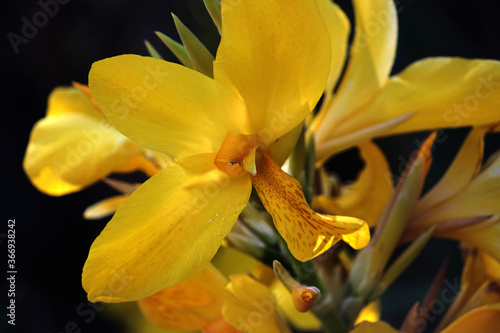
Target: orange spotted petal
(307,233)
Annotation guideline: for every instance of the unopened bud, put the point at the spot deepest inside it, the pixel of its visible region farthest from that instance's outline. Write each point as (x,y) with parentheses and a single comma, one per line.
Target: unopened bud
(305,298)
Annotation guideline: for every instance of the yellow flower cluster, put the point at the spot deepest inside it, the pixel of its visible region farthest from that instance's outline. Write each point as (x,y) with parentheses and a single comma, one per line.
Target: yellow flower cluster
(233,146)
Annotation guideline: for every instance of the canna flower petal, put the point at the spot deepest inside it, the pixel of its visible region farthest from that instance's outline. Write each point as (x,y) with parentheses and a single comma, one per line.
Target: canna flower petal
(248,299)
(464,167)
(185,210)
(443,92)
(276,55)
(189,305)
(471,211)
(371,59)
(485,319)
(143,98)
(473,276)
(376,327)
(368,196)
(478,198)
(104,207)
(338,27)
(307,233)
(74,146)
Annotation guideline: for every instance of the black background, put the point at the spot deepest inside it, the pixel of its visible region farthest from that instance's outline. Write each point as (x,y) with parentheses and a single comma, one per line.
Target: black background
(53,238)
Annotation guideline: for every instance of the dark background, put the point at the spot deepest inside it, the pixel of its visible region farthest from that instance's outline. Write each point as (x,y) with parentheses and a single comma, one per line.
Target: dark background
(52,238)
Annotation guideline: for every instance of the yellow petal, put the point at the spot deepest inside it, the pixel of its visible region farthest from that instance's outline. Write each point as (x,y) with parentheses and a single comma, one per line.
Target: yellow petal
(443,92)
(491,266)
(472,277)
(276,54)
(230,261)
(338,28)
(70,100)
(166,232)
(104,207)
(368,196)
(478,198)
(164,106)
(485,319)
(377,327)
(371,58)
(307,233)
(250,307)
(464,167)
(71,150)
(370,313)
(188,305)
(484,236)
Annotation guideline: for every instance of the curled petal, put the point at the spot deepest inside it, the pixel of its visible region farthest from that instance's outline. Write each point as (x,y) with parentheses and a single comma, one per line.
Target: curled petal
(307,233)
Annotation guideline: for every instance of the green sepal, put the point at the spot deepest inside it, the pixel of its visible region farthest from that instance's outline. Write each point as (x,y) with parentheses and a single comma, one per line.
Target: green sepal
(177,49)
(214,9)
(200,56)
(282,274)
(401,263)
(152,51)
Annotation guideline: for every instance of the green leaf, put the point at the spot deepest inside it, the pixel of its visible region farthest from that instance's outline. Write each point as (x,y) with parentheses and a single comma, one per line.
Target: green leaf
(214,9)
(198,53)
(152,51)
(401,263)
(177,49)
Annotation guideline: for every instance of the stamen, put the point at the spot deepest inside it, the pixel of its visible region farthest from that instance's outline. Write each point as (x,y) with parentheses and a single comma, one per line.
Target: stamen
(235,154)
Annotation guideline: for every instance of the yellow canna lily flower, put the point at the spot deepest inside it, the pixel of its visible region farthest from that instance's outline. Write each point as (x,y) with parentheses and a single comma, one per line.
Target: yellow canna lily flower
(463,205)
(74,146)
(477,289)
(430,93)
(224,133)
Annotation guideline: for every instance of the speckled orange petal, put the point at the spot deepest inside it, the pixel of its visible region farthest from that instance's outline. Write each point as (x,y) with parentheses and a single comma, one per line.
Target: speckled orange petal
(307,233)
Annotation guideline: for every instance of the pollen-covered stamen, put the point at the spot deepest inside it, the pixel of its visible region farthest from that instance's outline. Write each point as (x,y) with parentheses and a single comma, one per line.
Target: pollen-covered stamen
(307,233)
(237,154)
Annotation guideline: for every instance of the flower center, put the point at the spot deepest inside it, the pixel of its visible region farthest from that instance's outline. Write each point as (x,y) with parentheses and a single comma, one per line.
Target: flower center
(237,154)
